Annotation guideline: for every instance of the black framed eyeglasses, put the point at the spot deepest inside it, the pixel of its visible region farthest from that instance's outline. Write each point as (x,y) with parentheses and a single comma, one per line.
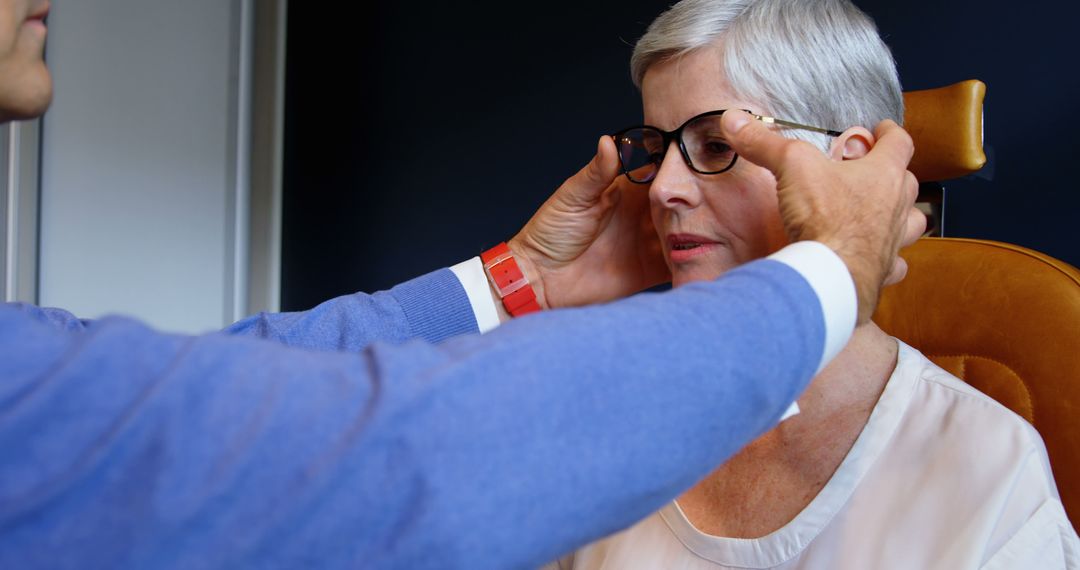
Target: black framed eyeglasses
(701,142)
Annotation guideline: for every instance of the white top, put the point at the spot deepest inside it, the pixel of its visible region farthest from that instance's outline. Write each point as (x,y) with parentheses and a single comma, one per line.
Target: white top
(819,265)
(941,476)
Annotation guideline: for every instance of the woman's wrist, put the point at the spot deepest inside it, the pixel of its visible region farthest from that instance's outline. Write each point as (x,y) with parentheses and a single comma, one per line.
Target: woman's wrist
(513,281)
(530,269)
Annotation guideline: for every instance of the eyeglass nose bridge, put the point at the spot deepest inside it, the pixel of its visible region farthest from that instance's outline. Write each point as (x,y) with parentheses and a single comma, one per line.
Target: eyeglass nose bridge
(674,136)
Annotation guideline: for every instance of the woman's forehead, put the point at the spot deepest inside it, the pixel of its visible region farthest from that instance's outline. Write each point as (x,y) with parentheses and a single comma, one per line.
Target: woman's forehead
(674,90)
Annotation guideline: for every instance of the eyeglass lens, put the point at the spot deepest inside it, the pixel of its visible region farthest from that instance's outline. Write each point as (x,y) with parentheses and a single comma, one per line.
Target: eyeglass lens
(642,149)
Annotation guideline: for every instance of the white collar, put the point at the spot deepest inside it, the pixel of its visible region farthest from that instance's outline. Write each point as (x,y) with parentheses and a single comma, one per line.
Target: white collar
(788,541)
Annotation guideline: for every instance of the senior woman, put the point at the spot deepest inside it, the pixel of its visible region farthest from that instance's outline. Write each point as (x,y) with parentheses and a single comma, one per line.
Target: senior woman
(892,462)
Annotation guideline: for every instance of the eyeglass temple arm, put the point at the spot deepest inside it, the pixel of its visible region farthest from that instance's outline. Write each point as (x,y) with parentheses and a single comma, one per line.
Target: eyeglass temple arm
(771,120)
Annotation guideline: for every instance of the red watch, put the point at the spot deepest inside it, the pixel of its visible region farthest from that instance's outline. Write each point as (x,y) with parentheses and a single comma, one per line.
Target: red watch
(510,283)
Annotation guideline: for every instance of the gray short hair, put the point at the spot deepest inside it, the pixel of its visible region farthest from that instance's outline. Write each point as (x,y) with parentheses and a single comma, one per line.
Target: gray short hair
(818,62)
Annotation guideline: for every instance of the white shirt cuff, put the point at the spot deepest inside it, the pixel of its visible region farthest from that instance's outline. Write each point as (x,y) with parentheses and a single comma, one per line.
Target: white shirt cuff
(792,410)
(474,280)
(831,281)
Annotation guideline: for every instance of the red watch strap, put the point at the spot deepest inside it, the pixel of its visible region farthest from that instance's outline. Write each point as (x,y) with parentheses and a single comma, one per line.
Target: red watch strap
(510,283)
(521,302)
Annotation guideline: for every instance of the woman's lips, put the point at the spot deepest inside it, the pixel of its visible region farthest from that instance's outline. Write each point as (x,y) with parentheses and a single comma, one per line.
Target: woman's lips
(684,247)
(37,17)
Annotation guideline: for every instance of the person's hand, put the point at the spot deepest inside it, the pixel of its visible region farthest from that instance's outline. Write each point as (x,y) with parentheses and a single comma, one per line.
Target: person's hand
(863,209)
(593,239)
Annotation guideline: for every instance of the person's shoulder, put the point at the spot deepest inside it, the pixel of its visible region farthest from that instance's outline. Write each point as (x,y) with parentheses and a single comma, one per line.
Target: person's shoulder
(961,395)
(960,404)
(1045,540)
(975,444)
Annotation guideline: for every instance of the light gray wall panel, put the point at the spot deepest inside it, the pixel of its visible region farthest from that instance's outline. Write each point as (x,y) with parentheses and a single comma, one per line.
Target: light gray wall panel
(139,161)
(19,163)
(267,148)
(6,220)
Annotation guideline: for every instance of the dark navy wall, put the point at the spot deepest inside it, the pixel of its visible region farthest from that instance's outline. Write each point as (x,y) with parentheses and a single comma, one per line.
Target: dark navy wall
(418,136)
(1026,53)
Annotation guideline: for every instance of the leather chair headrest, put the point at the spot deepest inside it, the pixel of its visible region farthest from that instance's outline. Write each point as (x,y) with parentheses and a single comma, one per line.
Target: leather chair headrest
(947,126)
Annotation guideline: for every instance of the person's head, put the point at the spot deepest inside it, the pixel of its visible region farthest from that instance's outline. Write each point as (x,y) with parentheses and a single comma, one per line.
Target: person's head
(25,83)
(813,62)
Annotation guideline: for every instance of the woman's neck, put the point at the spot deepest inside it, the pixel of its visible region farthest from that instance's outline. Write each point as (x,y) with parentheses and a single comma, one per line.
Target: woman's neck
(769,482)
(850,385)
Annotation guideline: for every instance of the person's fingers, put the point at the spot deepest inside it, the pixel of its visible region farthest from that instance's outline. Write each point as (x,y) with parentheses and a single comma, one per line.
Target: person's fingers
(893,142)
(915,222)
(753,141)
(609,157)
(586,187)
(898,272)
(911,184)
(914,228)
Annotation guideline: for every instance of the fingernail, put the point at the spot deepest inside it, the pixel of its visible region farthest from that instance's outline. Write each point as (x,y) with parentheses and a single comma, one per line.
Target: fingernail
(739,120)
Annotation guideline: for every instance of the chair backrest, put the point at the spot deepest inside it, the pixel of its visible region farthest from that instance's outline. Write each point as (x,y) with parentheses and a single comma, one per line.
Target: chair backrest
(1003,318)
(1006,320)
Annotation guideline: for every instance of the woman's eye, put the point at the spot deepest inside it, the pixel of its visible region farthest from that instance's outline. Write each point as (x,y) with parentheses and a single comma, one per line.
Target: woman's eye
(716,148)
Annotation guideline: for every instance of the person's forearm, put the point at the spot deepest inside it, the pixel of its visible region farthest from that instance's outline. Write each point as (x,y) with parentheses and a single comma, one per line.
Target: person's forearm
(432,307)
(501,450)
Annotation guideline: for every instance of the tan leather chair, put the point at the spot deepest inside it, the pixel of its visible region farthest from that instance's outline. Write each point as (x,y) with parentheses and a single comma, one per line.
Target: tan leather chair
(1001,317)
(947,126)
(947,123)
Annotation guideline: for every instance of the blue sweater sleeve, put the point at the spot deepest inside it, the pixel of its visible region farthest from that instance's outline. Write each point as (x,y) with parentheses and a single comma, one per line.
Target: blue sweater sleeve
(432,307)
(126,448)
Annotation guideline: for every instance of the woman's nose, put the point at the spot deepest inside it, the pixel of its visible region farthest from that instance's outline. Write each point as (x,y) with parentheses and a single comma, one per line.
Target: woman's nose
(674,185)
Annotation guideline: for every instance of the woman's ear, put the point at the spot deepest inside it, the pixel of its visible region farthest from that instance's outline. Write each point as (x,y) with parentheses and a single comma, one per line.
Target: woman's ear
(852,143)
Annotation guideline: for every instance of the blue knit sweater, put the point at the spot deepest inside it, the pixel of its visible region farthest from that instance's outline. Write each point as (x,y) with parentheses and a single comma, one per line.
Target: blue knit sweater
(374,440)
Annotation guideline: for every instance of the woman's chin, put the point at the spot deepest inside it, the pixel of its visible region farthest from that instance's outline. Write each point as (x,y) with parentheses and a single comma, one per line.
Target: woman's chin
(680,278)
(705,267)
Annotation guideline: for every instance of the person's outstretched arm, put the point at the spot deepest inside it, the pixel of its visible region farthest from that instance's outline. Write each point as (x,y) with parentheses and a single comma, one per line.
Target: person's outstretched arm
(128,448)
(432,307)
(125,447)
(591,242)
